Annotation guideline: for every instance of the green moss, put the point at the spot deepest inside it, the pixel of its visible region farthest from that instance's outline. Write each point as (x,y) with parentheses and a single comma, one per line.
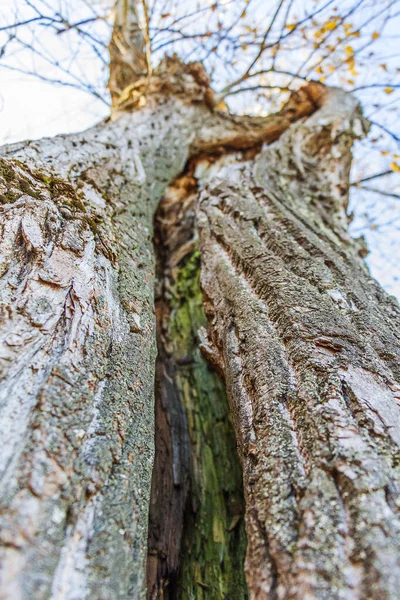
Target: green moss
(214,540)
(7,172)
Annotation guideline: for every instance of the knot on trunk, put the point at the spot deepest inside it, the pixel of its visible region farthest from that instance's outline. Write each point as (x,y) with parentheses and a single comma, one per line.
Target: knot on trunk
(172,77)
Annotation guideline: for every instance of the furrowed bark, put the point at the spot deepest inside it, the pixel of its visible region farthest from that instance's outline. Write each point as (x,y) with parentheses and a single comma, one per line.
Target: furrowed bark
(78,328)
(307,342)
(309,347)
(79,350)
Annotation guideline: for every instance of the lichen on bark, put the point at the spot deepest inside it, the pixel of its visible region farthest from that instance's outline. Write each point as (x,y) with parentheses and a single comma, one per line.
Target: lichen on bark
(307,343)
(79,353)
(214,540)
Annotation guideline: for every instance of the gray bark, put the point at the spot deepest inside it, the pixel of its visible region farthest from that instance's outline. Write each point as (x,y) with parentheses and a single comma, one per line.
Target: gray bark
(78,333)
(307,343)
(309,346)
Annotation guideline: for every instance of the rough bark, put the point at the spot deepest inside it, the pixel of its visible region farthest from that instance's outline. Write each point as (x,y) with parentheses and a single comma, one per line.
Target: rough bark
(307,342)
(309,347)
(78,329)
(79,349)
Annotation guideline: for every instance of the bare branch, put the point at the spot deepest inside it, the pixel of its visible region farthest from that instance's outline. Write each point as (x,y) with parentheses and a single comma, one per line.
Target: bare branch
(378,191)
(376,176)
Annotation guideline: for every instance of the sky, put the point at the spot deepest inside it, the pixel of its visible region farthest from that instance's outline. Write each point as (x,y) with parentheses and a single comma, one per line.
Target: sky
(33,108)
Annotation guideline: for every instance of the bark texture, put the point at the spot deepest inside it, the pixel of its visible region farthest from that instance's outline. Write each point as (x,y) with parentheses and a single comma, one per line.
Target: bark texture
(307,342)
(78,353)
(309,347)
(127,49)
(78,332)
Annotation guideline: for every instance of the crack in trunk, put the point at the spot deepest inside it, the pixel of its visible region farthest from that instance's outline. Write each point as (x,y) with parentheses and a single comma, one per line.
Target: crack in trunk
(196,530)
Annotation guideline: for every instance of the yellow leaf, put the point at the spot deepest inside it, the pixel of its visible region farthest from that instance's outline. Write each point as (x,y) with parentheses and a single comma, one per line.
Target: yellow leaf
(356,34)
(394,166)
(375,35)
(352,66)
(319,69)
(349,51)
(384,153)
(388,90)
(396,156)
(384,67)
(351,81)
(347,29)
(291,26)
(330,25)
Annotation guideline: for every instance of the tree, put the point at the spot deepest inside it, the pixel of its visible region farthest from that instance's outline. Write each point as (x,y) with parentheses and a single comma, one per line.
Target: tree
(250,221)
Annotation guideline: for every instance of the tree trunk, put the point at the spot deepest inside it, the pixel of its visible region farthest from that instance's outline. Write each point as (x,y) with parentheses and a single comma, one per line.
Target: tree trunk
(79,350)
(305,341)
(309,347)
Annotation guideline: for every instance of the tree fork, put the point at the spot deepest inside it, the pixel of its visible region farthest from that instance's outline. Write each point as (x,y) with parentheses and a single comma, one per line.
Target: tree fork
(79,336)
(306,340)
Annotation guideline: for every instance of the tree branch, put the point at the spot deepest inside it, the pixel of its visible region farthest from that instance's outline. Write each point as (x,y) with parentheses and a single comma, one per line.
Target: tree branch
(128,60)
(371,177)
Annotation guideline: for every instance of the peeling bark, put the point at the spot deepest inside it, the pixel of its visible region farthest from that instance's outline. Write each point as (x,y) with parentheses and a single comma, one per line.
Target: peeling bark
(309,346)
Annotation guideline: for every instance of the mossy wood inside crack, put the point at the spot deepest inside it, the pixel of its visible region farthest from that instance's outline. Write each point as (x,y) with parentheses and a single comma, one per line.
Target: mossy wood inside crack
(214,542)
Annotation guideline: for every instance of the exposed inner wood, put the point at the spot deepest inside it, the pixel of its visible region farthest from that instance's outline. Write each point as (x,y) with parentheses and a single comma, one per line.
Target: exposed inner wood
(192,422)
(307,342)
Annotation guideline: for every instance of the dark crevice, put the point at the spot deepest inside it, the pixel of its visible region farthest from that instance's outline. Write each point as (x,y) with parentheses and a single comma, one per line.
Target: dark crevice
(170,479)
(196,538)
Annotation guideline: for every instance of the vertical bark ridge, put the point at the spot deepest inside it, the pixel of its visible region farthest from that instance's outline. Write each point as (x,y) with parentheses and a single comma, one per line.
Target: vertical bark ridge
(79,347)
(309,347)
(78,328)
